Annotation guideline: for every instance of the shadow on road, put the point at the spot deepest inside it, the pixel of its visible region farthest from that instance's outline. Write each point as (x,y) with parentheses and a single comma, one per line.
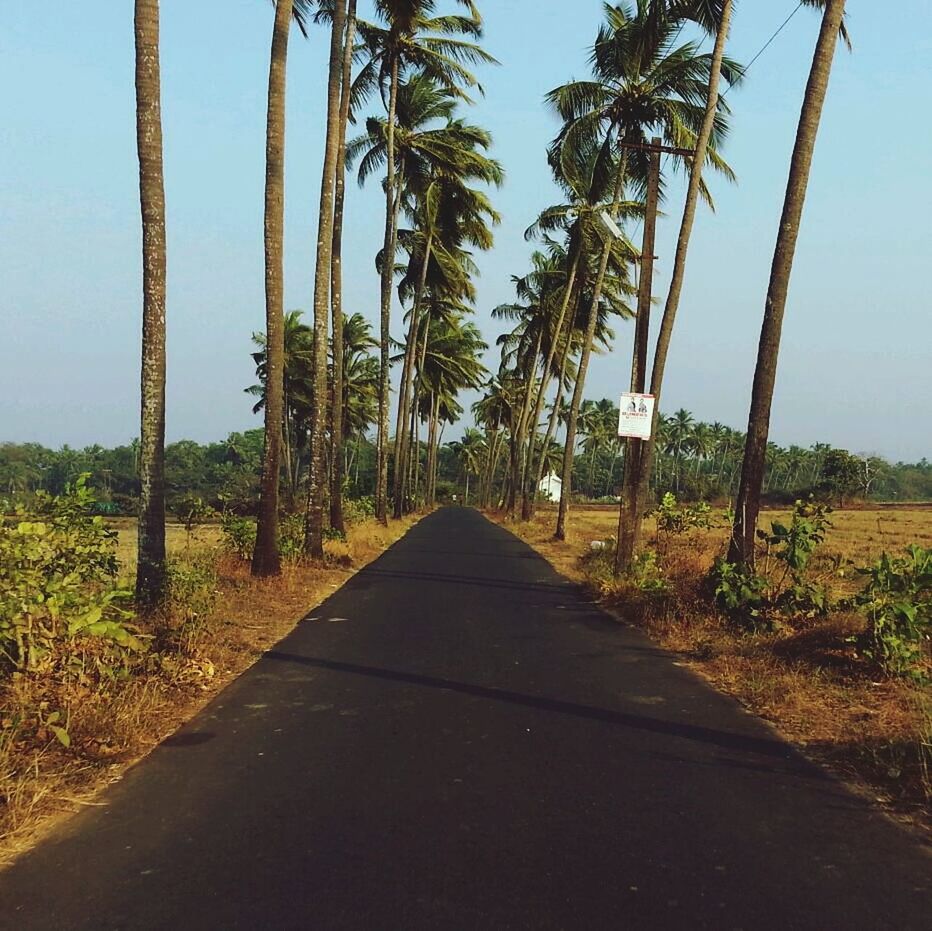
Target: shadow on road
(761,746)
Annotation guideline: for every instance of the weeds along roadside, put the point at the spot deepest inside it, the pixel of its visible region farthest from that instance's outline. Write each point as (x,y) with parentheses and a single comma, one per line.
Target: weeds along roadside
(835,653)
(85,687)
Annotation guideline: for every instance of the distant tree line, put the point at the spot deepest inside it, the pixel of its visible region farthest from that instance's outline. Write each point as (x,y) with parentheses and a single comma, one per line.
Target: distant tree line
(696,460)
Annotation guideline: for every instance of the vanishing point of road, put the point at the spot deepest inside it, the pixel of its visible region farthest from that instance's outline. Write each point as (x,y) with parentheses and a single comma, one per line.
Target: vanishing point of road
(458,739)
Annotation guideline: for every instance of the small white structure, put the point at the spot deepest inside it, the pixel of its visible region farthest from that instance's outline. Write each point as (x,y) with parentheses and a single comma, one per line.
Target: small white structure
(551,486)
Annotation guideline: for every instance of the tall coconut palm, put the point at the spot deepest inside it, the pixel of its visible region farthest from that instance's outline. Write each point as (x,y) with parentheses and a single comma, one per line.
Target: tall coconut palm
(719,22)
(747,507)
(151,571)
(265,558)
(314,522)
(469,452)
(336,274)
(297,383)
(436,156)
(644,85)
(579,219)
(408,36)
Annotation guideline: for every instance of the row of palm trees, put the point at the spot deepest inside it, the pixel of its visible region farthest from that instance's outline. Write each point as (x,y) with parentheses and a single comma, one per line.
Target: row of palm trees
(649,90)
(693,459)
(646,83)
(317,384)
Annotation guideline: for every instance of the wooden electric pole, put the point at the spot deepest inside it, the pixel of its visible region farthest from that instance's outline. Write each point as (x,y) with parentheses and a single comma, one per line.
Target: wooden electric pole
(627,508)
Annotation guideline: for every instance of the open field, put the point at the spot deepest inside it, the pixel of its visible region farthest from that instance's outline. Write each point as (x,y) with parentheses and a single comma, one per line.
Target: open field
(808,678)
(177,540)
(857,535)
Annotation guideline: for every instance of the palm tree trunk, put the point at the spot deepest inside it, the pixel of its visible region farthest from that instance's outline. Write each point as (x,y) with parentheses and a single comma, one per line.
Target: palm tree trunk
(317,478)
(519,461)
(432,450)
(151,571)
(266,560)
(529,493)
(645,460)
(407,375)
(388,268)
(485,477)
(336,278)
(287,456)
(554,416)
(579,387)
(747,507)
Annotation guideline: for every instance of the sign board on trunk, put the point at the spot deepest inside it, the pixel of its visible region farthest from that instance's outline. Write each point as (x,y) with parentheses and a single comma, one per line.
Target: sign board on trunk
(636,413)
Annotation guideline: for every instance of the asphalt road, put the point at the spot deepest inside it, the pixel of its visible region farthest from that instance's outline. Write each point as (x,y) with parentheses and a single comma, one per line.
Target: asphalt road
(457,739)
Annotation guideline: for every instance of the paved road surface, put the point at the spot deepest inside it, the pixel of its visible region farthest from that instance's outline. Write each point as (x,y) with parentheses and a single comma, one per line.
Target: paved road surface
(456,739)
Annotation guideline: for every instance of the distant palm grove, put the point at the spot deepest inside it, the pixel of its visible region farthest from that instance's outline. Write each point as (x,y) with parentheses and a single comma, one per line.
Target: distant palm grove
(357,406)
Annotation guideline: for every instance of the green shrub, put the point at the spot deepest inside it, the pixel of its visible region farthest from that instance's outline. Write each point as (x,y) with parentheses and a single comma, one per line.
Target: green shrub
(738,593)
(898,603)
(645,573)
(357,510)
(675,519)
(58,587)
(794,546)
(239,534)
(757,600)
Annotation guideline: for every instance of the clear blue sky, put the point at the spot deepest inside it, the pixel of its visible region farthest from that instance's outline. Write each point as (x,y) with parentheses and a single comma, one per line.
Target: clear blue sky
(855,366)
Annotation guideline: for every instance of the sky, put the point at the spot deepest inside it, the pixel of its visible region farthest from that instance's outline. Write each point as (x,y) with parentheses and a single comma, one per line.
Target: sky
(855,361)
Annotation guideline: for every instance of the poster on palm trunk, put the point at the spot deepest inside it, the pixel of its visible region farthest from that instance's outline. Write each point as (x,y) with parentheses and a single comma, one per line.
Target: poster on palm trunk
(635,415)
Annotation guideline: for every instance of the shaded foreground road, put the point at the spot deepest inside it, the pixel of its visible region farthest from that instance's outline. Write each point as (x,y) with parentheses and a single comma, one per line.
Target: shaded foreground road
(456,739)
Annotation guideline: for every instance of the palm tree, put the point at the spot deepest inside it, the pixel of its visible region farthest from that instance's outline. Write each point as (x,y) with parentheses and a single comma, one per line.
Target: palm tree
(433,164)
(452,363)
(297,372)
(644,85)
(314,520)
(360,380)
(711,130)
(151,570)
(747,507)
(410,38)
(336,275)
(469,451)
(265,558)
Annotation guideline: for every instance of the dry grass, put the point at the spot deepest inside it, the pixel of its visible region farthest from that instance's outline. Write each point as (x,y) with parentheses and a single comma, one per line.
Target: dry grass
(808,682)
(177,540)
(111,728)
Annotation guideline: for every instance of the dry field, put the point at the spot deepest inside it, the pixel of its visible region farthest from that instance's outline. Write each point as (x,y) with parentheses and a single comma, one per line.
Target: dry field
(807,680)
(858,535)
(177,540)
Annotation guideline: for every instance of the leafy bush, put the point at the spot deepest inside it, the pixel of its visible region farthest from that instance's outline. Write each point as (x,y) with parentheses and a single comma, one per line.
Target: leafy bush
(898,602)
(794,546)
(291,536)
(645,573)
(239,534)
(738,593)
(357,510)
(58,587)
(675,519)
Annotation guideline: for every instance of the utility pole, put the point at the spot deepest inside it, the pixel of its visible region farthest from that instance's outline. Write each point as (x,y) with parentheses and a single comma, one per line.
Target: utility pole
(627,508)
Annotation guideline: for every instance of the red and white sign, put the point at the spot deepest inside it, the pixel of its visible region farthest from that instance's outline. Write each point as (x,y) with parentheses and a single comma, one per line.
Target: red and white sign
(636,413)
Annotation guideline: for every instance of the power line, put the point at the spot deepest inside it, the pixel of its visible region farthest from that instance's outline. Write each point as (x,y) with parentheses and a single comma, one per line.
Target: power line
(766,45)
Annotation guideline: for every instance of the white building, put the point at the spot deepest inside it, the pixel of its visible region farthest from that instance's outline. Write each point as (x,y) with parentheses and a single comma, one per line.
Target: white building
(550,487)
